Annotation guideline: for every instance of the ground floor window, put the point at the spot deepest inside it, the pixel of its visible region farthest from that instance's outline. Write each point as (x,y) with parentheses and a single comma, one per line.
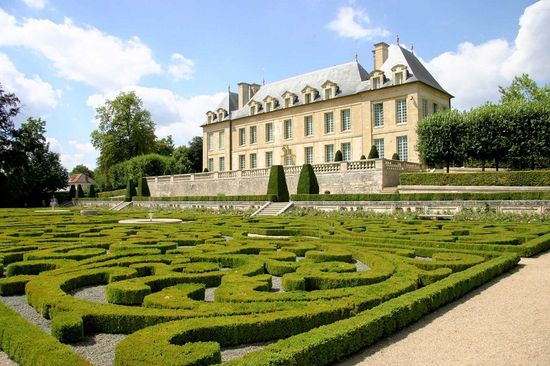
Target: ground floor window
(402,148)
(346,151)
(242,162)
(379,143)
(329,153)
(308,153)
(253,161)
(268,159)
(210,165)
(222,164)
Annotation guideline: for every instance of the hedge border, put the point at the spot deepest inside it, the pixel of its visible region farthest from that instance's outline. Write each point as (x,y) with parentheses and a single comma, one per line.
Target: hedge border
(509,178)
(501,196)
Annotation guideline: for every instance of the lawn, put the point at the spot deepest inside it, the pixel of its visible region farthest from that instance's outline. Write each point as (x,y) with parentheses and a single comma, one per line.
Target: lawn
(310,290)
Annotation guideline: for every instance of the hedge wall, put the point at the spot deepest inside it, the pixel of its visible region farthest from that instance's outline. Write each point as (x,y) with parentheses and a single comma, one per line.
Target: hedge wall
(209,198)
(515,178)
(424,196)
(108,194)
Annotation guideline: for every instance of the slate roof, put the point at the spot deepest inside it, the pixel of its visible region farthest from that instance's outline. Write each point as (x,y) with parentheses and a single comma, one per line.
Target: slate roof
(80,178)
(351,78)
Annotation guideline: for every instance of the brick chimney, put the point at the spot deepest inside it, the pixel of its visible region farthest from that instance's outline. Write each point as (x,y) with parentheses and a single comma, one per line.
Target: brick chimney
(380,54)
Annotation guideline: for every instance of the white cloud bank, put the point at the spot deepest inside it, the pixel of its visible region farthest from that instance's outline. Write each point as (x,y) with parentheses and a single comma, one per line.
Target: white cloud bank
(173,114)
(81,54)
(37,96)
(353,23)
(473,73)
(37,4)
(181,67)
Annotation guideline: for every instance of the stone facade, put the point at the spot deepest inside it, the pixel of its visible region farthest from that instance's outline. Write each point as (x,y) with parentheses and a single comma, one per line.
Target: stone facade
(307,118)
(363,176)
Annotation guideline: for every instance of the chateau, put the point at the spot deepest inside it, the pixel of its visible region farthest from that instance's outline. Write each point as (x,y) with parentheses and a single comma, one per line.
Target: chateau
(307,118)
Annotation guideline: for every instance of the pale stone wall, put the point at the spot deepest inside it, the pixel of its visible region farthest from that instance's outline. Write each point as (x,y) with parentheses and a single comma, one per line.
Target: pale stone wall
(363,176)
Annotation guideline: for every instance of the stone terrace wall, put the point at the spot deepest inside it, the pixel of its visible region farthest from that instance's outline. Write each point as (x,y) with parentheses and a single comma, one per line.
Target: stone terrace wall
(362,176)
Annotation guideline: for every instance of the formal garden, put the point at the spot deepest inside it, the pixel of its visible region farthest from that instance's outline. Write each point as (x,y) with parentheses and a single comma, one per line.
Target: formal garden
(225,287)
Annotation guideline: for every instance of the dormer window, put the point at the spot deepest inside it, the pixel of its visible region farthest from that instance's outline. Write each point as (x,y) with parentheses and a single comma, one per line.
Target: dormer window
(399,74)
(252,110)
(211,116)
(289,99)
(287,102)
(309,94)
(268,107)
(270,103)
(330,89)
(220,116)
(377,79)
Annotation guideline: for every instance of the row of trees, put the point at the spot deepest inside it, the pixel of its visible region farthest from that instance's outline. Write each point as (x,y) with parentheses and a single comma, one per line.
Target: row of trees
(128,147)
(29,172)
(515,132)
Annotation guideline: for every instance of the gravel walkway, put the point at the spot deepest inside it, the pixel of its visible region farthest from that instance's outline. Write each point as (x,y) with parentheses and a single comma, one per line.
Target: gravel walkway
(231,353)
(92,293)
(505,322)
(276,284)
(19,304)
(99,349)
(5,360)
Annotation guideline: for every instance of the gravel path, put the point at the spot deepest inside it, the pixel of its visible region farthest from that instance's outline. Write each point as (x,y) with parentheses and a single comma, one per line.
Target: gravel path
(92,293)
(19,304)
(209,294)
(99,349)
(360,266)
(231,353)
(505,322)
(276,284)
(5,360)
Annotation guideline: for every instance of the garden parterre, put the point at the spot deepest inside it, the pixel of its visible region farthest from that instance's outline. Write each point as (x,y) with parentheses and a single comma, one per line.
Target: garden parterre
(346,282)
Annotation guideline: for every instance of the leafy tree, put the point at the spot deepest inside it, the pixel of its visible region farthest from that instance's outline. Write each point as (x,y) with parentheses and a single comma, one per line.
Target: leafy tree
(165,146)
(9,108)
(441,138)
(338,156)
(524,89)
(194,154)
(373,153)
(125,130)
(182,164)
(487,134)
(80,168)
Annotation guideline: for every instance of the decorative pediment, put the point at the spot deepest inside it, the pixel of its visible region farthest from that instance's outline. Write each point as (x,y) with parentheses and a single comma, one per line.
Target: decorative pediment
(398,67)
(211,116)
(329,84)
(309,89)
(376,73)
(289,99)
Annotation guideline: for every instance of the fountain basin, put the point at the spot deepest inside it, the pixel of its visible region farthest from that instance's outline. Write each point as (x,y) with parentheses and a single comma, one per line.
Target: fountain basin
(150,221)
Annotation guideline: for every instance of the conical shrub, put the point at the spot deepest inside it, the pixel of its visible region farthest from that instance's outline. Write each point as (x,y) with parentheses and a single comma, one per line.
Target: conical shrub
(307,183)
(277,184)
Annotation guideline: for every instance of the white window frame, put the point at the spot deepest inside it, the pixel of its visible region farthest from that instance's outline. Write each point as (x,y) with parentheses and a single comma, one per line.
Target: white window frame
(242,136)
(269,132)
(307,98)
(308,155)
(399,78)
(288,159)
(329,123)
(209,141)
(308,126)
(253,134)
(328,93)
(287,126)
(210,164)
(221,140)
(242,162)
(401,111)
(253,161)
(345,116)
(378,114)
(268,159)
(425,111)
(221,163)
(329,155)
(402,143)
(346,152)
(379,143)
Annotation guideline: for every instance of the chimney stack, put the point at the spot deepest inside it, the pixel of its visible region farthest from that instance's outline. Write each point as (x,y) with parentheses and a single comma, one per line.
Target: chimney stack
(246,91)
(380,54)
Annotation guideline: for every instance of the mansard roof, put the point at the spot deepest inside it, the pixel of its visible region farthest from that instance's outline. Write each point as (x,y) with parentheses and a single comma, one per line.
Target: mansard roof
(229,103)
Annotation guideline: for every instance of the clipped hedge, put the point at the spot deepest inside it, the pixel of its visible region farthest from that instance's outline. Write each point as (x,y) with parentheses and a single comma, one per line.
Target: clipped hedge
(109,194)
(307,183)
(27,344)
(504,196)
(277,184)
(514,178)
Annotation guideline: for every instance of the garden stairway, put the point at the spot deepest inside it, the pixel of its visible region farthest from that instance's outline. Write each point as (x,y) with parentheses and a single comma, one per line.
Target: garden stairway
(273,208)
(120,206)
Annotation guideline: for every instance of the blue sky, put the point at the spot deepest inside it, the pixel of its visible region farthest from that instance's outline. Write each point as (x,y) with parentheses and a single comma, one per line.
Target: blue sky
(64,58)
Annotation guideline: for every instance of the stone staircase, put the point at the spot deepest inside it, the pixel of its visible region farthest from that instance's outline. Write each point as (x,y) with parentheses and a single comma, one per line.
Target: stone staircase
(120,206)
(273,208)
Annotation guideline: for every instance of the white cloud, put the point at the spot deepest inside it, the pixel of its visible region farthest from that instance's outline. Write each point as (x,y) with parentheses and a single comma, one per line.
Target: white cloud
(81,53)
(38,97)
(75,153)
(352,23)
(37,4)
(173,114)
(181,67)
(474,72)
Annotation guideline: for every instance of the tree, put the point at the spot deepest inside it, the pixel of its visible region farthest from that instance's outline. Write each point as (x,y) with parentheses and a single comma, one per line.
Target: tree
(441,138)
(182,162)
(91,192)
(125,130)
(130,191)
(143,188)
(165,146)
(194,154)
(276,186)
(79,191)
(82,169)
(307,182)
(395,156)
(72,191)
(338,156)
(9,108)
(31,173)
(524,89)
(373,153)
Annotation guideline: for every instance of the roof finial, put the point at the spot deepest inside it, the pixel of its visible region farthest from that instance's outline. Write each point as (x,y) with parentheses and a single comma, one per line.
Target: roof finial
(229,88)
(356,56)
(398,39)
(412,48)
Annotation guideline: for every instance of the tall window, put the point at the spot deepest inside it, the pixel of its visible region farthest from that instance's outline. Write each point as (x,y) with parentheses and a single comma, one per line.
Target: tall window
(211,165)
(268,132)
(253,161)
(308,154)
(268,159)
(288,158)
(253,135)
(402,148)
(209,141)
(222,164)
(242,136)
(242,162)
(379,143)
(401,110)
(329,122)
(308,126)
(378,110)
(346,151)
(307,98)
(328,93)
(346,120)
(329,153)
(288,129)
(425,108)
(398,78)
(221,140)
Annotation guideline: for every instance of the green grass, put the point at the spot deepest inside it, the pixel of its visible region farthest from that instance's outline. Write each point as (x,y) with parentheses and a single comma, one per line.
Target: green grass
(156,276)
